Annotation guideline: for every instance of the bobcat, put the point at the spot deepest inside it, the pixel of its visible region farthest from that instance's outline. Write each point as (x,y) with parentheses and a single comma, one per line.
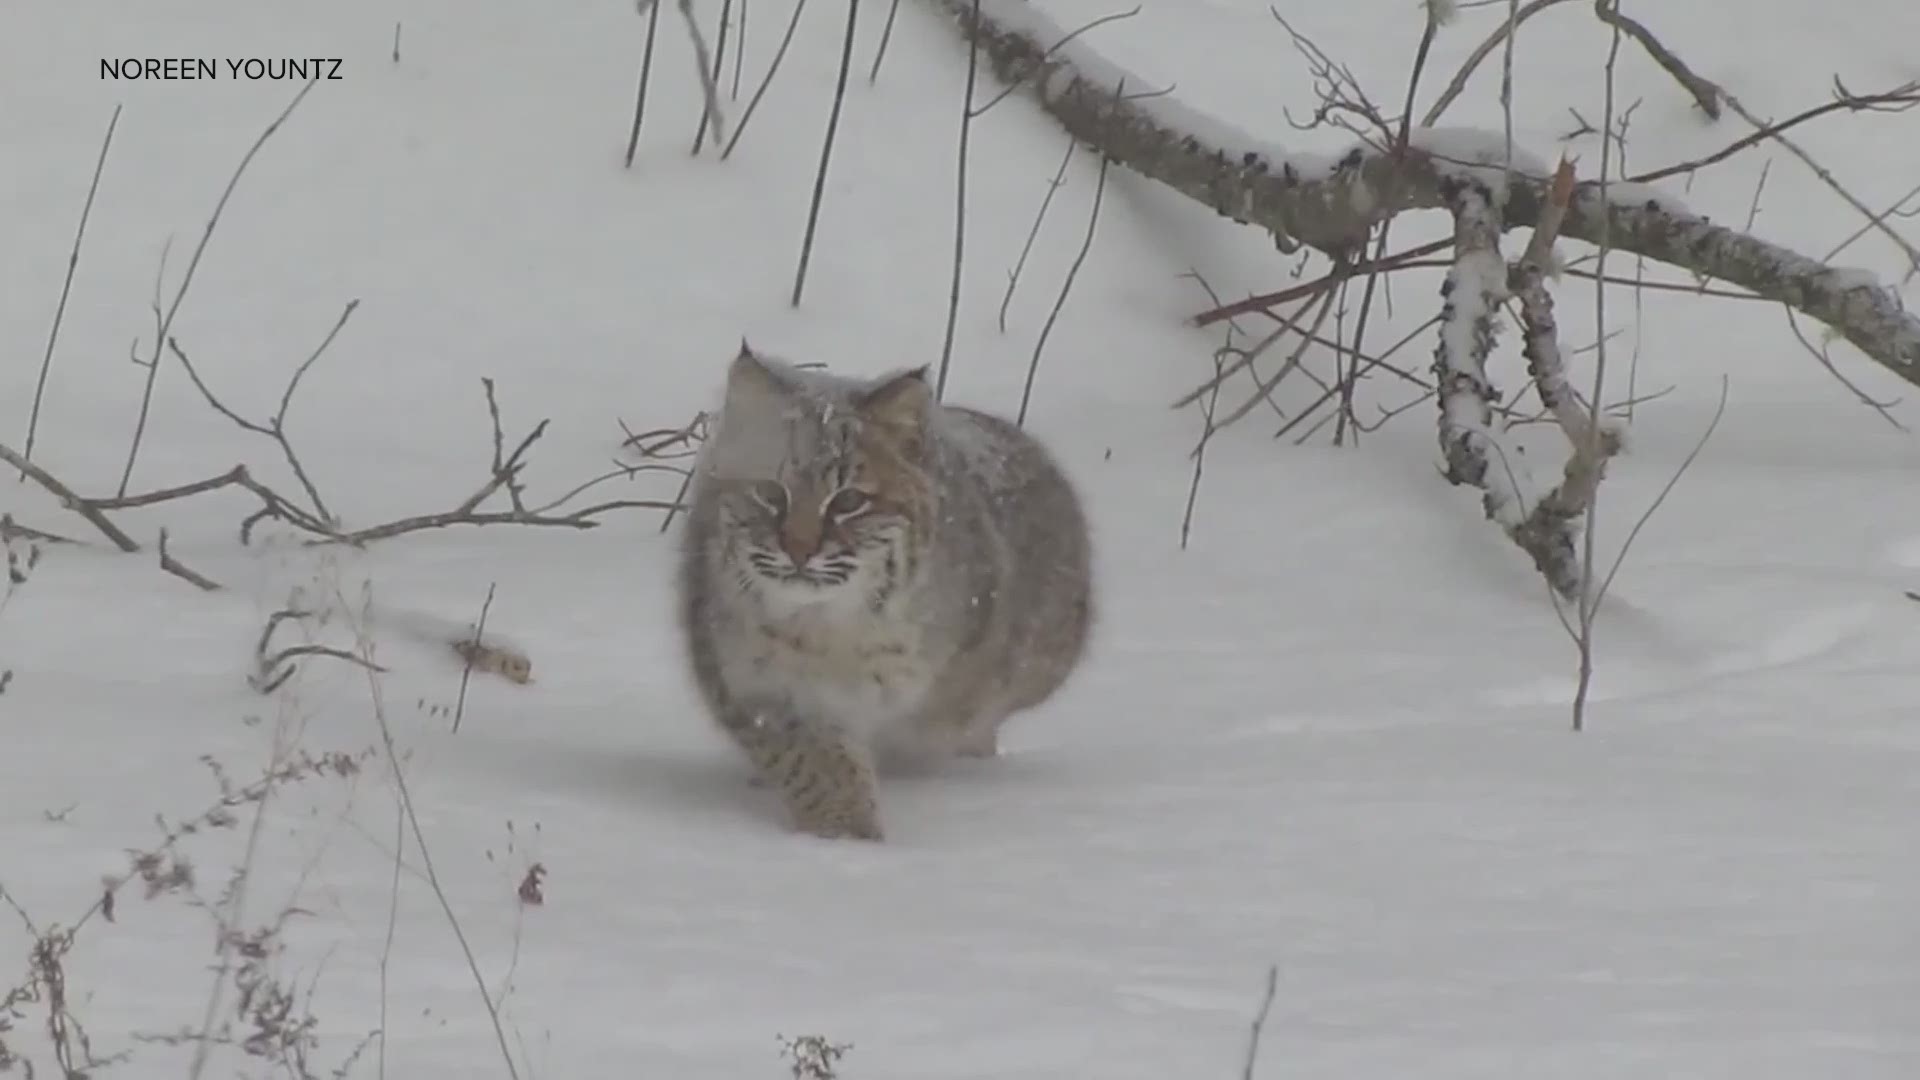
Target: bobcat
(867,572)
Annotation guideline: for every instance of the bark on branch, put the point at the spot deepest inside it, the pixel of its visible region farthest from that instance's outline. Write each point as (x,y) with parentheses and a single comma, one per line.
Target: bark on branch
(1330,203)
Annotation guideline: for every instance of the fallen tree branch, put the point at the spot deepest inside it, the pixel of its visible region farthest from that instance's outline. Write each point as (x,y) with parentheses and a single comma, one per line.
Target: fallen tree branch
(1330,203)
(1549,531)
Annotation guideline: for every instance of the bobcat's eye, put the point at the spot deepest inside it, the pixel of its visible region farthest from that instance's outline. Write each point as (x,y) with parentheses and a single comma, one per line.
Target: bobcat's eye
(848,502)
(772,495)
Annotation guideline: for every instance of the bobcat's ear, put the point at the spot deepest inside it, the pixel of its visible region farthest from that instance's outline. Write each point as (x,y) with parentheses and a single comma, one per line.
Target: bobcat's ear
(899,401)
(750,377)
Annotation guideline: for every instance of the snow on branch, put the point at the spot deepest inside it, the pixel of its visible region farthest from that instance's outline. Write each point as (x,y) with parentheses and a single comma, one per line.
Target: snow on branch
(1330,202)
(1476,451)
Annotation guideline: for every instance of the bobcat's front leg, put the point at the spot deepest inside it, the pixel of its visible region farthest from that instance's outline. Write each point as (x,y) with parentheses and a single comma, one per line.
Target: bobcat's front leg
(826,780)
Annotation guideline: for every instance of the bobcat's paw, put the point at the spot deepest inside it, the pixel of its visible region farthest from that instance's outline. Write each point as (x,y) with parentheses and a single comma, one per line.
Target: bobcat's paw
(979,742)
(860,825)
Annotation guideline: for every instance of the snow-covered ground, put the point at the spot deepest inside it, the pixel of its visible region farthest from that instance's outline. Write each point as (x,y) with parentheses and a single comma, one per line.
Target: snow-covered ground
(1330,736)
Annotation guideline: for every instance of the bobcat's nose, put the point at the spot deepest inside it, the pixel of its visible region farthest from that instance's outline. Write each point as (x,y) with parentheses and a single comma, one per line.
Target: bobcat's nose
(801,541)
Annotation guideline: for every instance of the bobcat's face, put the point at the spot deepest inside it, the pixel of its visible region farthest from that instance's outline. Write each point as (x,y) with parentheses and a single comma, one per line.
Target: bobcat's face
(815,528)
(831,514)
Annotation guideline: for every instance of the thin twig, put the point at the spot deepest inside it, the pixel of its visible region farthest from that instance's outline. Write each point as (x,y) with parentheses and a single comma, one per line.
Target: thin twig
(186,281)
(959,212)
(1259,1022)
(739,54)
(180,570)
(1588,534)
(1206,428)
(1066,286)
(426,855)
(1479,55)
(826,154)
(1884,408)
(652,11)
(886,38)
(704,64)
(1686,463)
(1399,261)
(1897,99)
(1877,221)
(275,428)
(466,670)
(779,54)
(1053,188)
(1898,205)
(1040,63)
(719,58)
(66,287)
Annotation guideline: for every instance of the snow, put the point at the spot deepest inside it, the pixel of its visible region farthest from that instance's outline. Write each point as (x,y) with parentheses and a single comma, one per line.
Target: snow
(1330,736)
(1479,153)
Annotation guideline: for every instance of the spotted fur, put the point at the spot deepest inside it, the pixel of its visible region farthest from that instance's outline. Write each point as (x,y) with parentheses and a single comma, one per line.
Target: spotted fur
(866,572)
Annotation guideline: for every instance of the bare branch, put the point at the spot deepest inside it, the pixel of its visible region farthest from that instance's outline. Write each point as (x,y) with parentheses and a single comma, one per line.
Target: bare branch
(1898,99)
(1875,220)
(1705,92)
(163,334)
(180,570)
(69,500)
(275,428)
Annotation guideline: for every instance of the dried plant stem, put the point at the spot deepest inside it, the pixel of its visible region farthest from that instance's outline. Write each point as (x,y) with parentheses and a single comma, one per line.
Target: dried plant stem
(186,281)
(426,855)
(826,154)
(646,78)
(959,216)
(779,54)
(66,288)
